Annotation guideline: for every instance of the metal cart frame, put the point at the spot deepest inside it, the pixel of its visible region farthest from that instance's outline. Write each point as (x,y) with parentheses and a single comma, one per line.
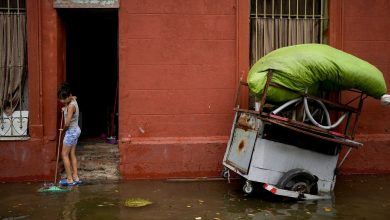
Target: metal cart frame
(266,148)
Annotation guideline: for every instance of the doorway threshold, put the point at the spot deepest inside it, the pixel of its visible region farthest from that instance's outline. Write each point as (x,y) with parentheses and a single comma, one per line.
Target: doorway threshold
(98,160)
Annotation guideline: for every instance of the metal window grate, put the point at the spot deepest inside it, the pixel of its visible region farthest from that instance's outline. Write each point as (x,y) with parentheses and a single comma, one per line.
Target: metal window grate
(13,117)
(12,6)
(274,20)
(287,8)
(279,23)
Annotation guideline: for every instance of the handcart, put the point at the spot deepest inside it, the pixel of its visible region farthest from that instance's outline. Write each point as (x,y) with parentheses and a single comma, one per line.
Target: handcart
(292,149)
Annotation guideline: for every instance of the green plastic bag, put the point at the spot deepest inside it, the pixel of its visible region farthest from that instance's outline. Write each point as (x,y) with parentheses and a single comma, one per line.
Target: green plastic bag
(316,67)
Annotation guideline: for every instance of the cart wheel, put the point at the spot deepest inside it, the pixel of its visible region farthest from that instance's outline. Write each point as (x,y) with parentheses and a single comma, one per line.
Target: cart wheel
(247,188)
(225,173)
(299,180)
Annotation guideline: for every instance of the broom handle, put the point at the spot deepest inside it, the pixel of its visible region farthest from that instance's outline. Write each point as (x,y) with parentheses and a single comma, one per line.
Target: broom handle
(58,146)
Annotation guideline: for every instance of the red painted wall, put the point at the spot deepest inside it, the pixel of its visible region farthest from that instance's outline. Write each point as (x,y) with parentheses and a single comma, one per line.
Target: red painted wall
(34,159)
(164,50)
(178,63)
(363,31)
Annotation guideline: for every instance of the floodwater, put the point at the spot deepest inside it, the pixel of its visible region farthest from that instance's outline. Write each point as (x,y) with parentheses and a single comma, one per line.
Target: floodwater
(355,197)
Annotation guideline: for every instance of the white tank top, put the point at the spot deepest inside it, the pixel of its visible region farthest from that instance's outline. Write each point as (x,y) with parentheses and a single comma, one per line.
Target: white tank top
(74,122)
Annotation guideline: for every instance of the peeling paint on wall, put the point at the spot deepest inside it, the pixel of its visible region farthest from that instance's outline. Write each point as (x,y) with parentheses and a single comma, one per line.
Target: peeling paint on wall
(86,4)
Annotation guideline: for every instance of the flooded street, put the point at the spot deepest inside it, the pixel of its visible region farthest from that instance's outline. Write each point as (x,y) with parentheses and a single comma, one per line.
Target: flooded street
(355,197)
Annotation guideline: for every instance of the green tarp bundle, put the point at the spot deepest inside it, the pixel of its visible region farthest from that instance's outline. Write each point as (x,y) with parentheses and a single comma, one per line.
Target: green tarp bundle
(316,67)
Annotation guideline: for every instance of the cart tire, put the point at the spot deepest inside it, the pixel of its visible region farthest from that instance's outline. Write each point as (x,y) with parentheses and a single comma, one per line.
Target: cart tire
(299,180)
(225,173)
(247,188)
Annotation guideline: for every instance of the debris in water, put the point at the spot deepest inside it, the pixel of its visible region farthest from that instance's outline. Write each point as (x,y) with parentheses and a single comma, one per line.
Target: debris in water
(326,209)
(137,202)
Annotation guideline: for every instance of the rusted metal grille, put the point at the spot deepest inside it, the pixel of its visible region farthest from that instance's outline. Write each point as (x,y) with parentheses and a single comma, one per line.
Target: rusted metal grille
(86,3)
(12,6)
(280,23)
(13,67)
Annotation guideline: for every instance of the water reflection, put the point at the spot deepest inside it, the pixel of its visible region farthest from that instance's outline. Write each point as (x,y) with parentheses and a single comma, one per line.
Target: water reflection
(71,199)
(264,205)
(193,200)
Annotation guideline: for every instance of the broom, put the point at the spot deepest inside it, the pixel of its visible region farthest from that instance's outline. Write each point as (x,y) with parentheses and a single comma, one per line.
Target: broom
(53,187)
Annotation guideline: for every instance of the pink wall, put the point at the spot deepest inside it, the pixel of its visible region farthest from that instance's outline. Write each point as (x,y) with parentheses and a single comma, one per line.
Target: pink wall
(174,101)
(363,31)
(34,159)
(179,63)
(177,83)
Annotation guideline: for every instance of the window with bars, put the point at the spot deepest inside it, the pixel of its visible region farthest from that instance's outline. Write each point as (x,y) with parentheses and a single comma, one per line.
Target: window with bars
(13,70)
(279,23)
(12,5)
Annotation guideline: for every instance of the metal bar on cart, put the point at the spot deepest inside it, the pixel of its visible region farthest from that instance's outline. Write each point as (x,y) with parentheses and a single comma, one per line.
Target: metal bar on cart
(354,129)
(346,129)
(341,106)
(353,99)
(293,123)
(293,194)
(306,126)
(357,115)
(236,102)
(345,157)
(302,127)
(246,111)
(265,91)
(357,111)
(340,141)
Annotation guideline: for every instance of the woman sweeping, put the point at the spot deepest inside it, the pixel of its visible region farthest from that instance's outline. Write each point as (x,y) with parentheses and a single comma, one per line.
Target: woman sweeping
(72,133)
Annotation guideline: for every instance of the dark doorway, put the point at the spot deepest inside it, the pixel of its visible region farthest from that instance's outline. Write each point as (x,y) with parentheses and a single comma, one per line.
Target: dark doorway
(92,67)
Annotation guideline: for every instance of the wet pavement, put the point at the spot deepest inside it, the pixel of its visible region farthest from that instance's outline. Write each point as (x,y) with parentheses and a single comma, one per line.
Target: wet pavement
(355,197)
